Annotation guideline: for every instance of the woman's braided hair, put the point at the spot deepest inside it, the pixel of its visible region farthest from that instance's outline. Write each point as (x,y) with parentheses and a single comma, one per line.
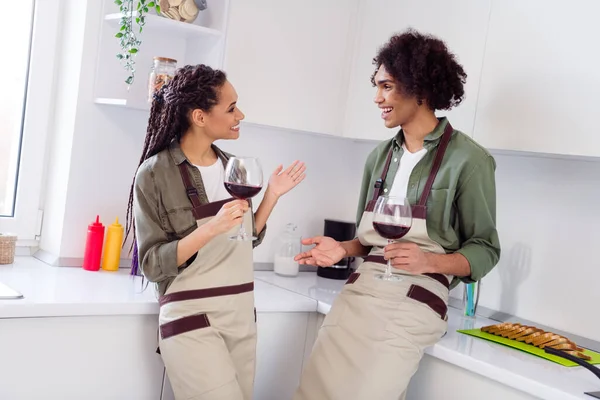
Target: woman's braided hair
(192,87)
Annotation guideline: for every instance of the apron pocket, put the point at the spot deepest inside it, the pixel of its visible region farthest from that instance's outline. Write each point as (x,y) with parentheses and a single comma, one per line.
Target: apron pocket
(424,296)
(352,278)
(183,325)
(198,362)
(415,321)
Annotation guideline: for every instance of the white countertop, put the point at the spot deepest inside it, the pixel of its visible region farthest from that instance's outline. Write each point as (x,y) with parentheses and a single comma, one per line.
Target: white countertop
(53,291)
(511,367)
(62,291)
(307,284)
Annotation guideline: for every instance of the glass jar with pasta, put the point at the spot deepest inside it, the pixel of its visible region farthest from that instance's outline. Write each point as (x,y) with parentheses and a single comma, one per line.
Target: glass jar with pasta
(162,72)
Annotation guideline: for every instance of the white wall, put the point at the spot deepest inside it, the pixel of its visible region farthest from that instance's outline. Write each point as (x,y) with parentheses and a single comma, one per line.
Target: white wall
(58,164)
(109,150)
(330,190)
(96,149)
(548,222)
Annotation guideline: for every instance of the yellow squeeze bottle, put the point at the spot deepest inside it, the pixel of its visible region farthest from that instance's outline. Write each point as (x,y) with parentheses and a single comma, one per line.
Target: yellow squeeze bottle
(112,247)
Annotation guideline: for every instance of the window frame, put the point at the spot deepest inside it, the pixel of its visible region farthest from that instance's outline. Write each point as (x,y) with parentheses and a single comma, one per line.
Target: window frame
(37,121)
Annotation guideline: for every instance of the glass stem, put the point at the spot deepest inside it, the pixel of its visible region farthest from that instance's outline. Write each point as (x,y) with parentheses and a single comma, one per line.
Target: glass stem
(388,267)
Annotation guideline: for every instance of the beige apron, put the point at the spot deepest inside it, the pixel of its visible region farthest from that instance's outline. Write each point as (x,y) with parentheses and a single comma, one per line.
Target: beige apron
(207,317)
(372,340)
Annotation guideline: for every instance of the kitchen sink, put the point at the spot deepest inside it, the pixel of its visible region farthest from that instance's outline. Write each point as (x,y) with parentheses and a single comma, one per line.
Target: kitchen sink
(8,293)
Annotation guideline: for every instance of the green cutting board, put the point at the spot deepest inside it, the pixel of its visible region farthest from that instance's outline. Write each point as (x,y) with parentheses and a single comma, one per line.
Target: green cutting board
(530,348)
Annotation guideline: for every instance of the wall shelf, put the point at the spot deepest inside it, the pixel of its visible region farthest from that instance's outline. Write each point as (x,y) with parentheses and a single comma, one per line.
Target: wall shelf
(121,103)
(162,25)
(200,42)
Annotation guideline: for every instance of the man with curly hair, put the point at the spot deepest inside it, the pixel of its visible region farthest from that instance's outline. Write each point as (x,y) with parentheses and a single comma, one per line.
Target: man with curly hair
(373,339)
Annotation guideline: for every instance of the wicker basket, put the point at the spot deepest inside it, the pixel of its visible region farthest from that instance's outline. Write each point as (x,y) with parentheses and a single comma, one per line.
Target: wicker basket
(7,248)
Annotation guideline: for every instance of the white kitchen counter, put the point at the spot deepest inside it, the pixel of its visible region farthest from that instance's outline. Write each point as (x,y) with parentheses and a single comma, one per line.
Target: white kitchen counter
(307,284)
(62,291)
(53,291)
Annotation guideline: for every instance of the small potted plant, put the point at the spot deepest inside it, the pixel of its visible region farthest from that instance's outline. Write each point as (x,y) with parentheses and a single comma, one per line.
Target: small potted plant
(128,32)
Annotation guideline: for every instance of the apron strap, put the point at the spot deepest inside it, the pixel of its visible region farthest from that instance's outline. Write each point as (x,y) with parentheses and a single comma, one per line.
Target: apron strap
(437,162)
(379,182)
(190,189)
(420,209)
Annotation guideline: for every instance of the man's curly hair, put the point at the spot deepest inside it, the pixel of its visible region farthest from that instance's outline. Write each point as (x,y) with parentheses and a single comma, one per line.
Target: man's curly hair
(423,67)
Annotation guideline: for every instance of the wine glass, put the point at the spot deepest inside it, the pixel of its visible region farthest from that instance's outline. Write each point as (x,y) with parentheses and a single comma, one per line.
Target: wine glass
(243,180)
(392,219)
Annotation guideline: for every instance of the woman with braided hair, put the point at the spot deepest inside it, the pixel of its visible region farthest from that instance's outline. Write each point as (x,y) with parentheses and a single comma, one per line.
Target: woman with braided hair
(181,217)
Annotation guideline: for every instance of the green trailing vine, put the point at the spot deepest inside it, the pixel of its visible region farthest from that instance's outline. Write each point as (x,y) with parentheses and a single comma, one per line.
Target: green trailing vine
(129,41)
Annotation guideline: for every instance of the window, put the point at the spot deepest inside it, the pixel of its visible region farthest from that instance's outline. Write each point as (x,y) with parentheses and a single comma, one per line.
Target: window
(12,103)
(27,72)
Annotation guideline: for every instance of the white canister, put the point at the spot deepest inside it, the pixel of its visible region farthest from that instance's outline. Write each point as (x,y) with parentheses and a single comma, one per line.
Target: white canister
(287,247)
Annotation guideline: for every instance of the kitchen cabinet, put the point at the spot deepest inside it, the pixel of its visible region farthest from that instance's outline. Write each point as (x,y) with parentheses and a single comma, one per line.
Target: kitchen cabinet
(451,378)
(113,357)
(279,354)
(74,358)
(314,324)
(540,80)
(167,390)
(289,61)
(462,24)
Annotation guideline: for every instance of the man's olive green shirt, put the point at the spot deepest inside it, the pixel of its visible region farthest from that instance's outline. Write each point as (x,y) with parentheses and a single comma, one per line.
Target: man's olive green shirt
(461,209)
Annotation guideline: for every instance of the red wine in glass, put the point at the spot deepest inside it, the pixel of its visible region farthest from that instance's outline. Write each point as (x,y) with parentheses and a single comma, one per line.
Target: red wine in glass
(392,219)
(242,192)
(391,231)
(243,180)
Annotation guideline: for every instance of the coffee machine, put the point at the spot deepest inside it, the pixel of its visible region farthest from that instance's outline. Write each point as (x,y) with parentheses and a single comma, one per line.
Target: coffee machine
(340,231)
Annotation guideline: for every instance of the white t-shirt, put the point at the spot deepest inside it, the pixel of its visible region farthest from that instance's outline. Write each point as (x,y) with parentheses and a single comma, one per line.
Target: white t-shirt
(213,178)
(407,164)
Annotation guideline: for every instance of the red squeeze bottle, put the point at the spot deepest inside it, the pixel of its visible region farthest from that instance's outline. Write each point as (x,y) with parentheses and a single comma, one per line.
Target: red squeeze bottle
(93,246)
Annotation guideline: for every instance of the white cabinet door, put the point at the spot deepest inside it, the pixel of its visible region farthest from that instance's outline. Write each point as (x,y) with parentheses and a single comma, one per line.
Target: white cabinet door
(462,24)
(167,390)
(289,61)
(437,379)
(540,82)
(279,355)
(74,358)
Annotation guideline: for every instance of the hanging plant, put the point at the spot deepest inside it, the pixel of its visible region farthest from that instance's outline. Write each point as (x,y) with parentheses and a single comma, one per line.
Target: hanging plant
(128,39)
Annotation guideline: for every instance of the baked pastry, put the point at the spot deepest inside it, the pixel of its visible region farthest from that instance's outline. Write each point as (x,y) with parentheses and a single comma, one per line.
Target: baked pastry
(536,337)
